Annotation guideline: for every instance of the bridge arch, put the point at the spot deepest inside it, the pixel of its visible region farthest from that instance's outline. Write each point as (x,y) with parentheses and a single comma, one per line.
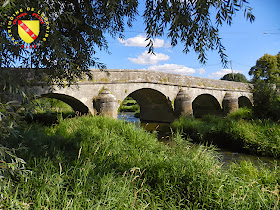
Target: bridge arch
(206,104)
(76,104)
(244,101)
(154,105)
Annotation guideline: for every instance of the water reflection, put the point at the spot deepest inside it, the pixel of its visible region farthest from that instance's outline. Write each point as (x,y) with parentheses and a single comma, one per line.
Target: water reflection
(228,156)
(129,116)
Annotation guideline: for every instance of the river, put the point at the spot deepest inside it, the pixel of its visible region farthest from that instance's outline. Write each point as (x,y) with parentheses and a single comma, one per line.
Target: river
(226,155)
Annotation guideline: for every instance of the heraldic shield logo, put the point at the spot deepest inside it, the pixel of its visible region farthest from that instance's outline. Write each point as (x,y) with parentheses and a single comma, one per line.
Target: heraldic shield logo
(28,30)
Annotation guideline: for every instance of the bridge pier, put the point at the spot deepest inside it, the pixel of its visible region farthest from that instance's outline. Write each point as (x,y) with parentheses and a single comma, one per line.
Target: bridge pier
(183,104)
(230,103)
(106,104)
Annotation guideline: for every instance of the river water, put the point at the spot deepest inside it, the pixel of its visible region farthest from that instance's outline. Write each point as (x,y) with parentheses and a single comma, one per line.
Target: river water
(227,156)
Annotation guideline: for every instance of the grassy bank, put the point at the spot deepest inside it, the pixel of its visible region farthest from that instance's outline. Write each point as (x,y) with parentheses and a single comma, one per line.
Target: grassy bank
(95,162)
(50,105)
(47,111)
(237,132)
(129,105)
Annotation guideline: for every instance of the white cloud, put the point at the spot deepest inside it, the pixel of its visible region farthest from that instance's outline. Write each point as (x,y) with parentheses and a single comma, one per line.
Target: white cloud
(146,59)
(172,68)
(222,72)
(140,41)
(201,71)
(167,45)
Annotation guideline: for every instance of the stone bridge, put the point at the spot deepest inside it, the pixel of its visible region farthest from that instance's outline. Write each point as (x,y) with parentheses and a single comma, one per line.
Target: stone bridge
(162,97)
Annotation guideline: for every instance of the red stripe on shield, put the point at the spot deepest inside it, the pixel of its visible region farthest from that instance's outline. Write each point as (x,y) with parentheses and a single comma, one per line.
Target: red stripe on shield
(27,30)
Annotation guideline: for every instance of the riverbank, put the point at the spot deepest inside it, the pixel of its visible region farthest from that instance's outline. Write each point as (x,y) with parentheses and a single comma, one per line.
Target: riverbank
(260,137)
(96,162)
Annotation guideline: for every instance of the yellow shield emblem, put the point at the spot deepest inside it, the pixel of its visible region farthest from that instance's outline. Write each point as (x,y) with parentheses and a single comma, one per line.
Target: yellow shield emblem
(28,30)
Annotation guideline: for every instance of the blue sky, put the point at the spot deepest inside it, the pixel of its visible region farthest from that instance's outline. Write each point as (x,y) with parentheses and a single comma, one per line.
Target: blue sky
(244,43)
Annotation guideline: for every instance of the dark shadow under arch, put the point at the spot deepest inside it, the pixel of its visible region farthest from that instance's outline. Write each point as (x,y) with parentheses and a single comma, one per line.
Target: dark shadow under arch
(76,105)
(243,101)
(154,106)
(206,104)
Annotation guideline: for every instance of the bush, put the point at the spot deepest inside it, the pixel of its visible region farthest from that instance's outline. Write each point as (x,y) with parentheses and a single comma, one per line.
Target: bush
(266,101)
(241,113)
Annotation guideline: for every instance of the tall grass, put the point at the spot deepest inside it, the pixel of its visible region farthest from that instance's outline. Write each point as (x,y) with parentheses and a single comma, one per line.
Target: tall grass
(260,137)
(100,163)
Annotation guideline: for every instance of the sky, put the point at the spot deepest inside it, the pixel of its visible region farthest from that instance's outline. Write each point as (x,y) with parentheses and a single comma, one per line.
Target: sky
(245,42)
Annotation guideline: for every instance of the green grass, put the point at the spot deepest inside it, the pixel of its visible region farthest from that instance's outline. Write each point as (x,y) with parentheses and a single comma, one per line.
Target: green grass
(47,111)
(129,105)
(50,105)
(260,137)
(132,108)
(100,163)
(241,113)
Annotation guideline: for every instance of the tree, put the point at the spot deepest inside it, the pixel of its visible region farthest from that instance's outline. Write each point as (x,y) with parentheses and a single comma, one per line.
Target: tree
(267,68)
(266,101)
(266,78)
(237,77)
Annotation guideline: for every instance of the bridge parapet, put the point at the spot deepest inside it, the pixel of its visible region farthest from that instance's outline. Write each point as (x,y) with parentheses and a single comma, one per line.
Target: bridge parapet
(145,76)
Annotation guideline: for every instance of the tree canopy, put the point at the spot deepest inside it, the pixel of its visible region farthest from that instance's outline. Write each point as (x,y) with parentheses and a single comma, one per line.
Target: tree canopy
(237,77)
(266,76)
(267,68)
(79,27)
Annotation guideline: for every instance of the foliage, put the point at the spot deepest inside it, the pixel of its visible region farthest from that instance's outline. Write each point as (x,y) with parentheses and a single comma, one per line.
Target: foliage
(241,113)
(237,77)
(11,166)
(43,105)
(255,136)
(266,101)
(266,74)
(267,68)
(95,162)
(12,97)
(190,22)
(129,105)
(48,111)
(13,101)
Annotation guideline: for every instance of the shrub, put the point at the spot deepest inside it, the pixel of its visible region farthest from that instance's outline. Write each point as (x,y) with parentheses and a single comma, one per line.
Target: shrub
(266,101)
(241,113)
